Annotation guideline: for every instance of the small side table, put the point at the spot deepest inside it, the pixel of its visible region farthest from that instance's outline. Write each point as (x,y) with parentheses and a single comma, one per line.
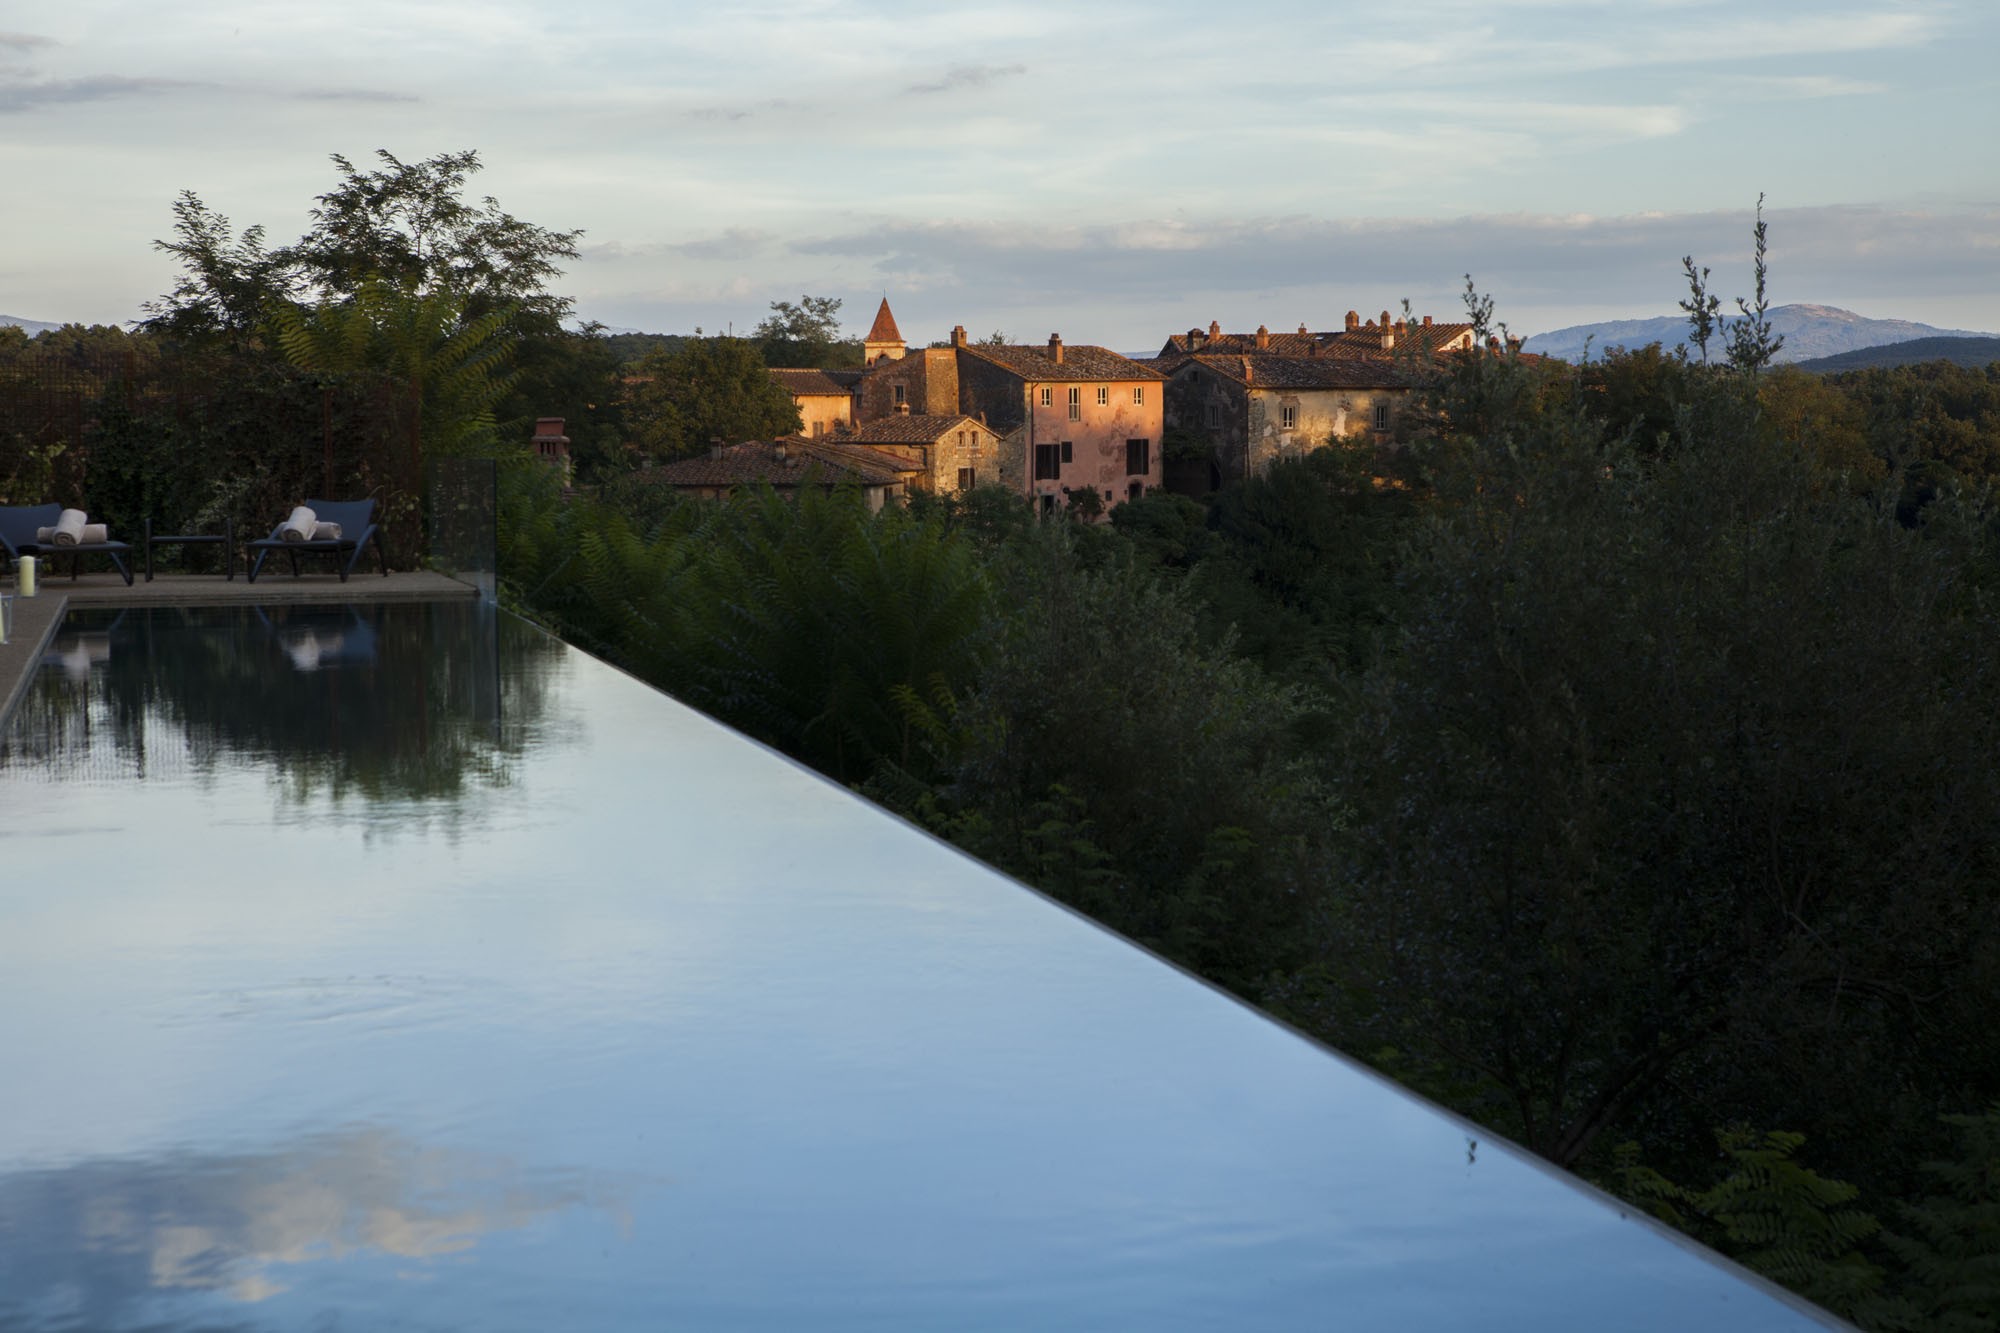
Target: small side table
(227,540)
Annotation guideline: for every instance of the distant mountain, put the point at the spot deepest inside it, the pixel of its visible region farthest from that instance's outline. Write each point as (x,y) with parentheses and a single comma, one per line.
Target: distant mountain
(1810,331)
(1975,353)
(33,326)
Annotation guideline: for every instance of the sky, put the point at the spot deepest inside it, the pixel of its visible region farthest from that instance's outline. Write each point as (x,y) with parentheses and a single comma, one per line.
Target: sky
(1111,171)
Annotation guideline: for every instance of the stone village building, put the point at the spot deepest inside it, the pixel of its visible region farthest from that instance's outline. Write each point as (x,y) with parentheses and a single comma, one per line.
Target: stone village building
(1061,418)
(825,398)
(1253,398)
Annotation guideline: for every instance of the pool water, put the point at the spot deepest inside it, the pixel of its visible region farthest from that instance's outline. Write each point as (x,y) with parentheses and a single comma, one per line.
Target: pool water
(403,968)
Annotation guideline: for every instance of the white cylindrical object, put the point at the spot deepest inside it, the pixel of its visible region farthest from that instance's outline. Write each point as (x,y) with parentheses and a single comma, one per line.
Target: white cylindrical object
(6,616)
(24,575)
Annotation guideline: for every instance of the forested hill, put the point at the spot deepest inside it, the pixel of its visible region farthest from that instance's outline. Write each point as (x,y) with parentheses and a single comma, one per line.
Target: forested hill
(1972,353)
(1809,331)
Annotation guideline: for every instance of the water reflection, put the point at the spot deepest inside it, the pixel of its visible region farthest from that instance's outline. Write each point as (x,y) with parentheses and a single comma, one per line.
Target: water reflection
(421,703)
(106,1244)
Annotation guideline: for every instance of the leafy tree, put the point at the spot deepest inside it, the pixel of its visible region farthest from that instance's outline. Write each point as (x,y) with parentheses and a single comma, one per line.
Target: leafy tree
(406,222)
(227,282)
(807,335)
(409,222)
(1773,1214)
(450,368)
(706,389)
(1951,1257)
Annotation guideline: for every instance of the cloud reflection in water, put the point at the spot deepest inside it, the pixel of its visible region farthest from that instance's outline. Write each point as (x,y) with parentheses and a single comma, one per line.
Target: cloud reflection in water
(107,1243)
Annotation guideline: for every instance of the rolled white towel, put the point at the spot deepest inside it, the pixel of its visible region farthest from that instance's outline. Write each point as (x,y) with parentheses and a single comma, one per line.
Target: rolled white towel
(93,534)
(45,536)
(326,532)
(298,527)
(69,528)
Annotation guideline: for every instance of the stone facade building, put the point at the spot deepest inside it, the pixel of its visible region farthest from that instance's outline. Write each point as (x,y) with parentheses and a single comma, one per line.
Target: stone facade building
(955,452)
(1254,410)
(1063,418)
(825,398)
(1253,398)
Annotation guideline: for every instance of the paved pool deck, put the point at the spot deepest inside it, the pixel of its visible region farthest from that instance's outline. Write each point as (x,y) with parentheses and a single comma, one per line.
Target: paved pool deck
(35,618)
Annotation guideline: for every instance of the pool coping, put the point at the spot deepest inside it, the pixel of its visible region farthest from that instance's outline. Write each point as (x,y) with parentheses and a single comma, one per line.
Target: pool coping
(35,621)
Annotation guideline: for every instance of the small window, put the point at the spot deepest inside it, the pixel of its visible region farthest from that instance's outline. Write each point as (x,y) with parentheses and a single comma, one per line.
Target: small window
(1215,416)
(1075,403)
(1048,504)
(1104,395)
(1067,456)
(1048,397)
(961,439)
(899,394)
(1135,490)
(1288,418)
(1138,457)
(1049,461)
(1381,416)
(1139,394)
(819,428)
(966,480)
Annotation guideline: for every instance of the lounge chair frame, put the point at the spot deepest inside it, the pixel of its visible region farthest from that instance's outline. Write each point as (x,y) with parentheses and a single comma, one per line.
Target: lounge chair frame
(18,524)
(357,529)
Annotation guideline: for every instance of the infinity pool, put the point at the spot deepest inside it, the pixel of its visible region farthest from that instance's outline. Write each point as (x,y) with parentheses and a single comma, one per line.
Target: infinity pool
(402,968)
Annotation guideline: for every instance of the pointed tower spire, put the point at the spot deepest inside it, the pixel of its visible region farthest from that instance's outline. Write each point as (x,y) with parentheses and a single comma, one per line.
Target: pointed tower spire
(884,341)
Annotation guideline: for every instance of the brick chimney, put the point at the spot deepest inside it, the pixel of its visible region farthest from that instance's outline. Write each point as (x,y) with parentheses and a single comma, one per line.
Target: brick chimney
(1194,339)
(1055,348)
(1215,328)
(1353,321)
(1249,371)
(715,446)
(1302,327)
(551,446)
(1427,321)
(1263,339)
(1388,332)
(958,335)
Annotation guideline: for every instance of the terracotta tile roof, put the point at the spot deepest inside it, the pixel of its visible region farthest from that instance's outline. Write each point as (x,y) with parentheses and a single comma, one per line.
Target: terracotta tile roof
(755,461)
(884,329)
(913,429)
(1364,342)
(1033,361)
(1305,372)
(809,383)
(854,454)
(804,382)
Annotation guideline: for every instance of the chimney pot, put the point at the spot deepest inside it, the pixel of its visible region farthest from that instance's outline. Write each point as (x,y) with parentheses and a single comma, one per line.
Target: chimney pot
(1385,319)
(715,446)
(958,335)
(1353,320)
(1055,348)
(1215,328)
(1302,327)
(1263,338)
(1427,321)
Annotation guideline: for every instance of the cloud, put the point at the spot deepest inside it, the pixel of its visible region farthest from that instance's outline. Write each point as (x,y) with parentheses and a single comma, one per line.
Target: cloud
(97,88)
(23,41)
(733,244)
(961,77)
(353,95)
(1528,261)
(744,112)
